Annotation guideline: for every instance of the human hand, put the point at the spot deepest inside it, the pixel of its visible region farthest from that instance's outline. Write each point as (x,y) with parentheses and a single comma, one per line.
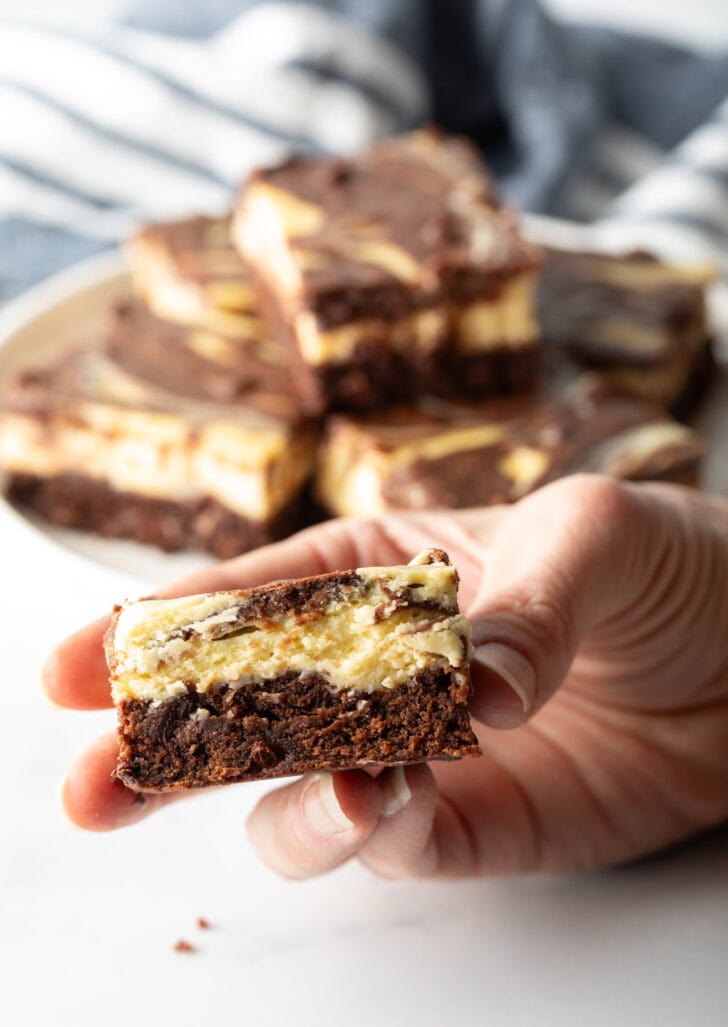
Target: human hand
(600,618)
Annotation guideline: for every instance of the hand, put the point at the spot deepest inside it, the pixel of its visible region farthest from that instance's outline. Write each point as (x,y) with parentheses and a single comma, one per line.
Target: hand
(600,618)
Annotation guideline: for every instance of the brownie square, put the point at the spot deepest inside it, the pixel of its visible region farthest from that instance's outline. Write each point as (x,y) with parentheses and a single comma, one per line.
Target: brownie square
(441,454)
(392,273)
(641,322)
(353,668)
(164,434)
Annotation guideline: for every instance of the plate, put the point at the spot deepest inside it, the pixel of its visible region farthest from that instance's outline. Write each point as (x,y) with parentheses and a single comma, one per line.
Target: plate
(52,317)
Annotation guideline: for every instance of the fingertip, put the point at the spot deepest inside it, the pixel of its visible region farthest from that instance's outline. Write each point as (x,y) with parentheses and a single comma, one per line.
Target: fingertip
(75,675)
(94,800)
(49,680)
(402,785)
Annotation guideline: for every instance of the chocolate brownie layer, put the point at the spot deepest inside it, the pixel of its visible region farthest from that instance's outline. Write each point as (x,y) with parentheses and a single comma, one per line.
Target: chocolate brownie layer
(376,374)
(502,372)
(75,501)
(290,725)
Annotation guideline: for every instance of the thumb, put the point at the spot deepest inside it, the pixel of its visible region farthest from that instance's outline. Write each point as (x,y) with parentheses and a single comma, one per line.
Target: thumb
(567,557)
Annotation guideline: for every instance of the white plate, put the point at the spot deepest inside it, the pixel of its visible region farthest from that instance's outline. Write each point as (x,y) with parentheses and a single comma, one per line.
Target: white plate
(56,315)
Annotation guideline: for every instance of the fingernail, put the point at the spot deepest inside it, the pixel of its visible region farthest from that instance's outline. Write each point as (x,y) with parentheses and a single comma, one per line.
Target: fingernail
(511,667)
(321,807)
(396,791)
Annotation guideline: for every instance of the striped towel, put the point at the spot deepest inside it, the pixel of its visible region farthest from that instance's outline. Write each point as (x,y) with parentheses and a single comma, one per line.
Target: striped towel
(105,126)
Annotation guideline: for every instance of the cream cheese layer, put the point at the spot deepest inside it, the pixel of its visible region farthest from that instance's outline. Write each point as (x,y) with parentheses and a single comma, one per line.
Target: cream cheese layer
(374,628)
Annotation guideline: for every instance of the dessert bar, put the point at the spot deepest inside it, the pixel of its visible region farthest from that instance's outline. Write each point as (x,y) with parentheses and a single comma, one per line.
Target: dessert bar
(353,668)
(128,445)
(641,322)
(446,454)
(392,272)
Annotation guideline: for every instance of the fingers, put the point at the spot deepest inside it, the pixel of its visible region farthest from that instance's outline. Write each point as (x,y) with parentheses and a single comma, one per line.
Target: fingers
(395,824)
(94,800)
(75,675)
(403,844)
(316,823)
(566,558)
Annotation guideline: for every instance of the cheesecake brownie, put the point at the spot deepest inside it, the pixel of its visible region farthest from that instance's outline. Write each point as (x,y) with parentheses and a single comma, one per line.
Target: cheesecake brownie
(189,271)
(354,668)
(159,441)
(641,322)
(392,272)
(453,455)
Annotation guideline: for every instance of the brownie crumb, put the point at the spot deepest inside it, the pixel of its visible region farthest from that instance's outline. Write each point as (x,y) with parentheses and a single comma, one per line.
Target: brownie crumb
(203,924)
(183,946)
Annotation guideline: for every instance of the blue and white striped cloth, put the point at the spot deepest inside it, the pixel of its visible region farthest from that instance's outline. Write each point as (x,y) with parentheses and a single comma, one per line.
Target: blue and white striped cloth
(104,126)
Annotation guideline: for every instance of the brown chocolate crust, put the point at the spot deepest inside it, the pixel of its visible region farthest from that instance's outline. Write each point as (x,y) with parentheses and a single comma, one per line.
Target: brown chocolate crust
(375,376)
(75,501)
(497,372)
(293,724)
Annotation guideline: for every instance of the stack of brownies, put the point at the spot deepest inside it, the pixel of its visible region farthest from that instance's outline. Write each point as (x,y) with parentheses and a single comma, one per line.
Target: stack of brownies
(361,335)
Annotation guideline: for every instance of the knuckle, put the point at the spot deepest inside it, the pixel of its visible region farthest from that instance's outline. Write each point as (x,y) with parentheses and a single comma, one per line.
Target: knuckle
(533,620)
(604,502)
(387,868)
(549,620)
